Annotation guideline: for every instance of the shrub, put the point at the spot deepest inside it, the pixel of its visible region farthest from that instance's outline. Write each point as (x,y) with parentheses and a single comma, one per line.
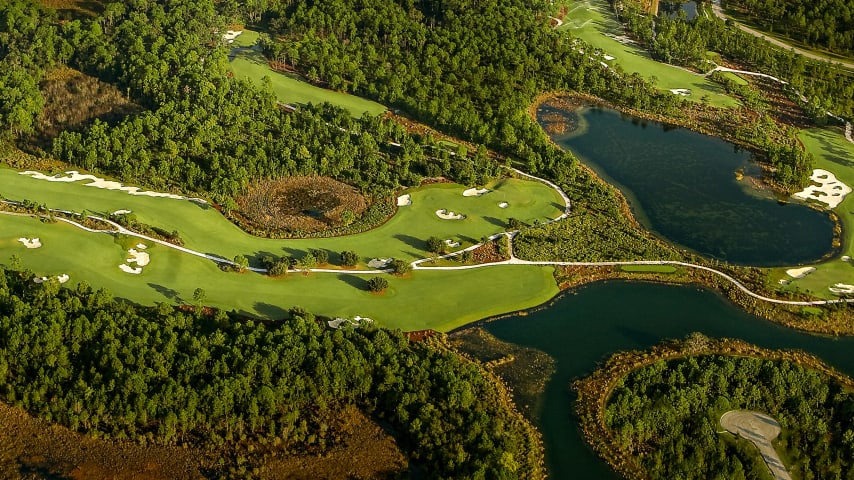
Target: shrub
(377,284)
(349,258)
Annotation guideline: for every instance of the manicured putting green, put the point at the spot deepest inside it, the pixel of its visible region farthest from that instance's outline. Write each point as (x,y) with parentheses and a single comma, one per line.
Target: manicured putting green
(204,229)
(441,300)
(832,152)
(593,22)
(249,63)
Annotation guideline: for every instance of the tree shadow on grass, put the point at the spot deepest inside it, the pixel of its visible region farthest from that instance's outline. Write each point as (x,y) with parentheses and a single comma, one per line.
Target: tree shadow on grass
(496,221)
(835,154)
(413,242)
(273,312)
(356,281)
(166,292)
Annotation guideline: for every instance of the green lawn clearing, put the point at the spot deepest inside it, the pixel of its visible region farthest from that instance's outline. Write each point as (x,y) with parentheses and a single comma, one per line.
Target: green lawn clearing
(249,63)
(403,236)
(593,22)
(440,300)
(834,153)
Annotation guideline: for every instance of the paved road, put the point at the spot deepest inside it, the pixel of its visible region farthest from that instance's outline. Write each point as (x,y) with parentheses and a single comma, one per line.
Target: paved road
(716,9)
(761,430)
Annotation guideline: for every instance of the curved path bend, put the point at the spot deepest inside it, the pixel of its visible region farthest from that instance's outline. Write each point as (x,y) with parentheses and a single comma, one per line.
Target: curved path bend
(760,429)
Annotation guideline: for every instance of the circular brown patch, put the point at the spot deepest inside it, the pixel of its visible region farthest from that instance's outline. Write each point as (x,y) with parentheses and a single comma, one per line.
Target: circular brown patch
(305,204)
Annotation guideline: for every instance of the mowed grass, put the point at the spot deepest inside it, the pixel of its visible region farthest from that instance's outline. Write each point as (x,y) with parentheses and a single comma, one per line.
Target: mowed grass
(441,300)
(291,89)
(592,21)
(834,153)
(403,236)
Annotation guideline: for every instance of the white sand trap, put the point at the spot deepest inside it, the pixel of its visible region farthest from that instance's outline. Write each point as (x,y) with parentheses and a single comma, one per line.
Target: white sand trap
(452,243)
(128,269)
(783,281)
(337,322)
(31,242)
(680,91)
(608,57)
(800,272)
(842,289)
(404,200)
(63,278)
(40,279)
(140,258)
(503,205)
(141,246)
(475,192)
(446,215)
(75,176)
(829,189)
(122,212)
(379,262)
(845,258)
(230,35)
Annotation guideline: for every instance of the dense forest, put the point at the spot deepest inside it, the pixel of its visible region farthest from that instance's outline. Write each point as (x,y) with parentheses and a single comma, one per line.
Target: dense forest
(157,374)
(667,415)
(826,24)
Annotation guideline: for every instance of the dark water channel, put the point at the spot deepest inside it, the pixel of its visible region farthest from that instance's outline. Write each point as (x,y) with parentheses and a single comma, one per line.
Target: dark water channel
(582,329)
(682,185)
(674,9)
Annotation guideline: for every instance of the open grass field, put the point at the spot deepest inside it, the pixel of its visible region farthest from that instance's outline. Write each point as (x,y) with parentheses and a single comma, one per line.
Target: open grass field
(441,300)
(249,63)
(593,22)
(834,153)
(204,229)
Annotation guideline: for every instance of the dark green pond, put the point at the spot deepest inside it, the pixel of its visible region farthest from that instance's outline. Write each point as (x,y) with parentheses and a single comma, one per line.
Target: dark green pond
(583,329)
(682,185)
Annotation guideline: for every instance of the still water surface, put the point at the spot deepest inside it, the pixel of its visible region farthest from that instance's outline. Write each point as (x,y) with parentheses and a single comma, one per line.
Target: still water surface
(583,329)
(682,185)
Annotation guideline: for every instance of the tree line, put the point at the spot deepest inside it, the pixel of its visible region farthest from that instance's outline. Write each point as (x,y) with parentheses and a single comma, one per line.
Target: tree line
(168,376)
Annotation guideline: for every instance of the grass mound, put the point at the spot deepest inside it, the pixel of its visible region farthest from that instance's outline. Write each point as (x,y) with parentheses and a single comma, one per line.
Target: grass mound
(304,204)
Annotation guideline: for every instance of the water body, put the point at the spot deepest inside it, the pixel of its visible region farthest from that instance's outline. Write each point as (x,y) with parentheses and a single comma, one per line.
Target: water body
(581,330)
(674,9)
(682,185)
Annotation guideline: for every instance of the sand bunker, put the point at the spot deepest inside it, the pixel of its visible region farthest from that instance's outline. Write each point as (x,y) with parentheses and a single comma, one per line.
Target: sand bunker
(475,192)
(140,258)
(122,212)
(404,200)
(63,278)
(829,190)
(31,242)
(446,215)
(128,269)
(842,289)
(452,243)
(141,246)
(40,279)
(75,176)
(608,57)
(800,272)
(680,91)
(336,323)
(229,36)
(503,205)
(379,262)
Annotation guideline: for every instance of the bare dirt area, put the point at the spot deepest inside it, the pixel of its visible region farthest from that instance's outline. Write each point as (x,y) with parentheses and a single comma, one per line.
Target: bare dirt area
(33,448)
(36,449)
(74,99)
(300,204)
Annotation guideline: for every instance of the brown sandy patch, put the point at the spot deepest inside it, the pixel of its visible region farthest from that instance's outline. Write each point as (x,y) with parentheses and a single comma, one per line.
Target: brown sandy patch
(304,204)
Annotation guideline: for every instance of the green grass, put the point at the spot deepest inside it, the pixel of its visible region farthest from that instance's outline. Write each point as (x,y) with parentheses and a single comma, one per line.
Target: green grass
(251,64)
(834,153)
(648,268)
(438,300)
(591,20)
(204,229)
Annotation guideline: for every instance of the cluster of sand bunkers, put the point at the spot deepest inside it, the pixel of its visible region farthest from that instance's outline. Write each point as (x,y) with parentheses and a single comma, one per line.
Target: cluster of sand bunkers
(355,322)
(445,214)
(97,182)
(826,189)
(137,257)
(36,243)
(231,35)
